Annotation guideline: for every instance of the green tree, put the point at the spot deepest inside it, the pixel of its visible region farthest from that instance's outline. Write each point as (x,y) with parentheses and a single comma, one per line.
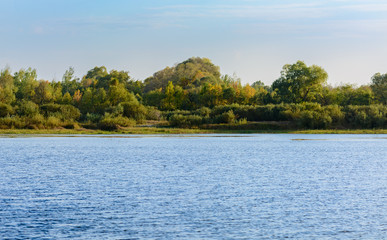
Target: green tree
(43,93)
(26,82)
(154,98)
(299,83)
(117,93)
(169,100)
(379,87)
(70,83)
(66,99)
(7,87)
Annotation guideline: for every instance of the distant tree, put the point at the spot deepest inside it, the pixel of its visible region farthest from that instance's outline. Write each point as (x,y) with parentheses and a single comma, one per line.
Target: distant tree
(7,87)
(117,93)
(70,83)
(350,95)
(26,82)
(257,85)
(77,97)
(211,95)
(66,99)
(229,95)
(194,69)
(159,79)
(189,74)
(154,98)
(379,87)
(299,83)
(169,100)
(247,94)
(43,93)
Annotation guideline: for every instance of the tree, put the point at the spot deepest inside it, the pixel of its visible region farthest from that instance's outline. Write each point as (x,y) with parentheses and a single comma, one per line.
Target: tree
(70,83)
(169,100)
(26,82)
(195,69)
(299,83)
(43,93)
(154,98)
(117,93)
(379,87)
(189,74)
(7,87)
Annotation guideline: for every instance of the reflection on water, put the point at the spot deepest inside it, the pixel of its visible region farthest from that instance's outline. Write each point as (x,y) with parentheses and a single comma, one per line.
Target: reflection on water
(271,186)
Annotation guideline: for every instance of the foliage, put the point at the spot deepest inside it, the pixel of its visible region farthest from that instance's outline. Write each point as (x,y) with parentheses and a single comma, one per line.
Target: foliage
(187,121)
(5,110)
(134,110)
(379,87)
(190,94)
(109,122)
(299,83)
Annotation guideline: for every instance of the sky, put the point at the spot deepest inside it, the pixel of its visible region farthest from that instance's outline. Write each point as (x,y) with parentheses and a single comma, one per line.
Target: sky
(250,38)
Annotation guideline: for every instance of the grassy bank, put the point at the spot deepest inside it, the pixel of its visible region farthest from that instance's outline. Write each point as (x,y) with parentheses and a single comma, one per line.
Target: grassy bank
(155,130)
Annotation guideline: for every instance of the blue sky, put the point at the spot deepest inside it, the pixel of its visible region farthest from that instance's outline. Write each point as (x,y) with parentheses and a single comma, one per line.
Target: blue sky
(252,38)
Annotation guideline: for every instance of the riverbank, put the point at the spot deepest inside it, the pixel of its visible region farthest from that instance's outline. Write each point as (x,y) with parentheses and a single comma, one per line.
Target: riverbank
(154,130)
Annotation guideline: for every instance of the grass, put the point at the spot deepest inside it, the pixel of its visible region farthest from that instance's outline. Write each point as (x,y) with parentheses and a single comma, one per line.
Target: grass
(166,130)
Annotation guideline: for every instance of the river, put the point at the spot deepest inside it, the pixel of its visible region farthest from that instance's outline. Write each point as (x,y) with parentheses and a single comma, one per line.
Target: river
(256,186)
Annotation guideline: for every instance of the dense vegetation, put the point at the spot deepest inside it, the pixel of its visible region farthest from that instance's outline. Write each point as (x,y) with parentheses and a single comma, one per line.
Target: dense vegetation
(190,94)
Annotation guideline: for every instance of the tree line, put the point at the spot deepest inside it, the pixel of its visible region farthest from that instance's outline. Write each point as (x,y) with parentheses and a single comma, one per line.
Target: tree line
(192,93)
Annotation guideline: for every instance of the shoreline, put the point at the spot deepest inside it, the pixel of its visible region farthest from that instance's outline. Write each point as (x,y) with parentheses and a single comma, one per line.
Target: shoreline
(167,131)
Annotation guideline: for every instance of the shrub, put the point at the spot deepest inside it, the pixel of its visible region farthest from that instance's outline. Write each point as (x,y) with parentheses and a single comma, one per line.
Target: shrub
(70,112)
(334,111)
(53,122)
(11,122)
(153,113)
(35,122)
(203,111)
(70,125)
(5,110)
(93,117)
(168,114)
(226,117)
(182,121)
(314,119)
(372,116)
(28,108)
(134,110)
(113,123)
(64,112)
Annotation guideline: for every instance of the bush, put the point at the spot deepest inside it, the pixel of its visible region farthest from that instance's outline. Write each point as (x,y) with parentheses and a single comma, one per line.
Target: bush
(314,119)
(35,122)
(226,117)
(372,116)
(182,121)
(334,111)
(134,110)
(53,122)
(113,123)
(168,114)
(153,113)
(64,112)
(28,108)
(70,112)
(11,122)
(203,111)
(93,117)
(5,110)
(268,112)
(71,125)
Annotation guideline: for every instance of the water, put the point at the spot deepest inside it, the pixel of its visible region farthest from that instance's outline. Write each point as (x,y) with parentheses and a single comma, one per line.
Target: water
(194,187)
